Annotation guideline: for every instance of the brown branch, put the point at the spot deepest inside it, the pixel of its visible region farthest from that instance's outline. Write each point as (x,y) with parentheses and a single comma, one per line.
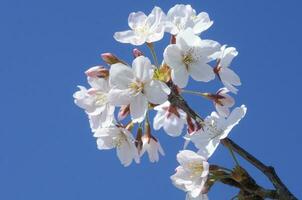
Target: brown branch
(268,171)
(282,190)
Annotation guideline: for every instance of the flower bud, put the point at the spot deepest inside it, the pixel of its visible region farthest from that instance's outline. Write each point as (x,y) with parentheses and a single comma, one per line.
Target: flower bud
(110,59)
(136,53)
(97,72)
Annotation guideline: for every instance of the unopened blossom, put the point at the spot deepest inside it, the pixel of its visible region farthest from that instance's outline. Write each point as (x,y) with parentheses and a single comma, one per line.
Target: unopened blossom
(180,17)
(190,57)
(170,118)
(121,139)
(227,76)
(222,101)
(135,87)
(192,173)
(144,29)
(152,147)
(215,129)
(95,102)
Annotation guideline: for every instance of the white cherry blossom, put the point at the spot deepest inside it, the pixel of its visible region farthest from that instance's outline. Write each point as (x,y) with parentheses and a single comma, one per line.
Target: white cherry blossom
(192,173)
(135,86)
(121,139)
(215,129)
(190,57)
(223,102)
(95,102)
(152,147)
(180,17)
(144,28)
(227,76)
(172,119)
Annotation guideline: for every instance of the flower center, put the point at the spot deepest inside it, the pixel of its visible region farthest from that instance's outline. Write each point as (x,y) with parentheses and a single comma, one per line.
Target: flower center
(119,140)
(137,86)
(195,168)
(212,129)
(142,30)
(188,59)
(100,99)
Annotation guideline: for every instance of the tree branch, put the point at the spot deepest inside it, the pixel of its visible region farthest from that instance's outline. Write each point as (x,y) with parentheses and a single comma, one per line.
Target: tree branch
(268,171)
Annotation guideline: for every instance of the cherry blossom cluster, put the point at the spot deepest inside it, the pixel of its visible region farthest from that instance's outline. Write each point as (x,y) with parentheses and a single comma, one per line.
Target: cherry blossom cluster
(121,96)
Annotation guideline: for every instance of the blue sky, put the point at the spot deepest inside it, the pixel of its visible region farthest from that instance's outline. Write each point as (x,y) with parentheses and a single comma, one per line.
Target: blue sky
(46,148)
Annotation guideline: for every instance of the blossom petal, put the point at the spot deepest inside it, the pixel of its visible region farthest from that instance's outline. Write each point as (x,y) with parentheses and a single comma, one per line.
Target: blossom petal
(201,72)
(228,55)
(154,92)
(173,125)
(142,68)
(120,76)
(173,56)
(229,76)
(129,37)
(203,23)
(119,97)
(159,120)
(136,19)
(138,108)
(236,115)
(180,76)
(187,156)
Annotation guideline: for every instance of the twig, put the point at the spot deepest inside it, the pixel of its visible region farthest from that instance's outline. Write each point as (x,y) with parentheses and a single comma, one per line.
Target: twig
(282,190)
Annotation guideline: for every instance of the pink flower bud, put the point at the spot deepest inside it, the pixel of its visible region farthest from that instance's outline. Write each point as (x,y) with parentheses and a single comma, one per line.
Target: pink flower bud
(136,53)
(110,59)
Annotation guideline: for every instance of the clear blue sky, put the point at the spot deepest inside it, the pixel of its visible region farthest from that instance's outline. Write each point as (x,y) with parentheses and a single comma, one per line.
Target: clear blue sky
(46,148)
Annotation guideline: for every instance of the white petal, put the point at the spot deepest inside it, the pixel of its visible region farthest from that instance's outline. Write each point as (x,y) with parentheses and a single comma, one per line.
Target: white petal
(224,111)
(187,156)
(228,55)
(159,120)
(173,125)
(119,97)
(203,23)
(180,76)
(236,115)
(104,143)
(124,153)
(201,72)
(154,92)
(187,39)
(142,68)
(120,76)
(173,56)
(138,108)
(157,35)
(99,83)
(229,76)
(129,37)
(136,19)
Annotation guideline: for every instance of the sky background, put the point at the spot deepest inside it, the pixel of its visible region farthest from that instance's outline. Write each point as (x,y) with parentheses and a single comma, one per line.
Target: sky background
(46,148)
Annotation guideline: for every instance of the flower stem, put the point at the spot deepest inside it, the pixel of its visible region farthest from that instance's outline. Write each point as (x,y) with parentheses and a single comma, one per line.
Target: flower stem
(151,47)
(234,157)
(195,93)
